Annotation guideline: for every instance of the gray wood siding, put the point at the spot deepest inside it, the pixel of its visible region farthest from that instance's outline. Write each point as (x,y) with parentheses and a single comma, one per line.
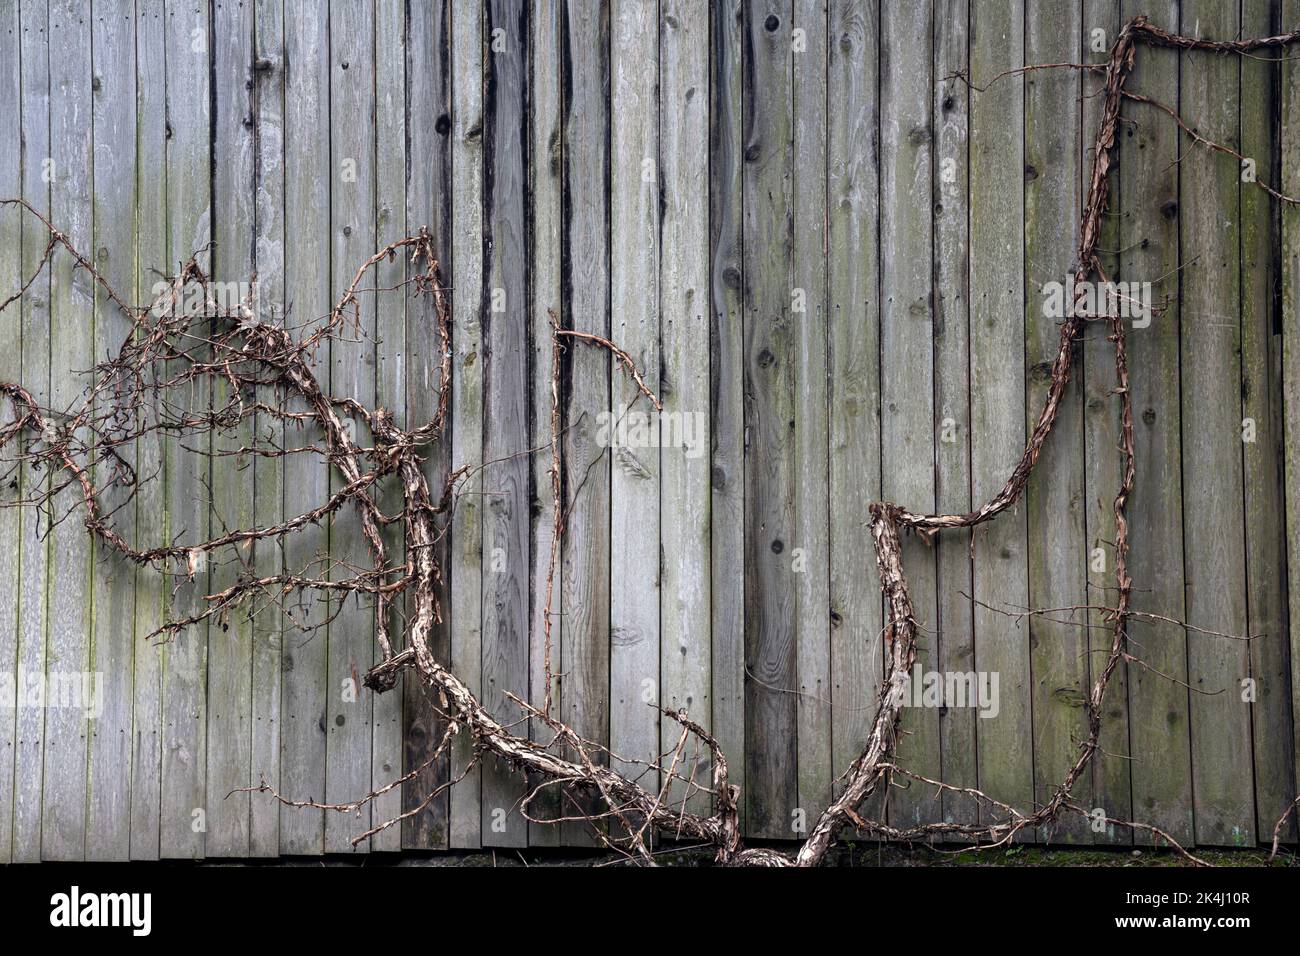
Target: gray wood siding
(827,252)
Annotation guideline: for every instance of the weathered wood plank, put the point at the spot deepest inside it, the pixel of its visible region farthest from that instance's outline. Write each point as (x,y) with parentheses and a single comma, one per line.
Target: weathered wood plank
(771,751)
(950,110)
(1055,498)
(108,818)
(351,375)
(585,700)
(268,475)
(390,369)
(505,404)
(151,254)
(635,557)
(184,677)
(853,275)
(808,560)
(1289,180)
(1109,773)
(1214,546)
(1271,714)
(230,644)
(605,219)
(68,628)
(466,568)
(685,639)
(545,214)
(428,205)
(997,384)
(33,548)
(1148,199)
(11,370)
(726,388)
(304,701)
(907,345)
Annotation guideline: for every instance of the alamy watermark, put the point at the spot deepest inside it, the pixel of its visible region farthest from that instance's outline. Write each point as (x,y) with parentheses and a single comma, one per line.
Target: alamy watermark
(74,908)
(637,429)
(210,298)
(978,689)
(74,690)
(1124,300)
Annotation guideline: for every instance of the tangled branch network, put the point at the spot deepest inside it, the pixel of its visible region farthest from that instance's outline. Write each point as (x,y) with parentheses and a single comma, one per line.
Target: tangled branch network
(265,371)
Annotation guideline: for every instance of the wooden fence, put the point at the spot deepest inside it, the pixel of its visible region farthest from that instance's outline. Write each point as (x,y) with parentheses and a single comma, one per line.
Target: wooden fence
(827,252)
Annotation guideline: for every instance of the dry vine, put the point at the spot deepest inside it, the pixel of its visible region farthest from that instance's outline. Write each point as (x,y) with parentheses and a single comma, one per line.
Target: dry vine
(266,372)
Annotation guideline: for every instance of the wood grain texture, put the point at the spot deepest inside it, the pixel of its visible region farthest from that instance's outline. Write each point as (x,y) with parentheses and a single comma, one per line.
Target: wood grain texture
(1161,770)
(826,253)
(585,659)
(1271,712)
(726,387)
(545,215)
(11,369)
(635,564)
(1213,538)
(428,205)
(386,752)
(1289,179)
(150,589)
(183,819)
(351,375)
(907,339)
(304,690)
(1110,778)
(997,385)
(466,564)
(70,622)
(771,742)
(685,636)
(33,546)
(268,632)
(1055,499)
(108,817)
(853,317)
(505,506)
(950,109)
(230,643)
(808,557)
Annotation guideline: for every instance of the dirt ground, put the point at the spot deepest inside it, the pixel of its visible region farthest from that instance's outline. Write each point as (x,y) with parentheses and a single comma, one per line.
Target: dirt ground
(852,855)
